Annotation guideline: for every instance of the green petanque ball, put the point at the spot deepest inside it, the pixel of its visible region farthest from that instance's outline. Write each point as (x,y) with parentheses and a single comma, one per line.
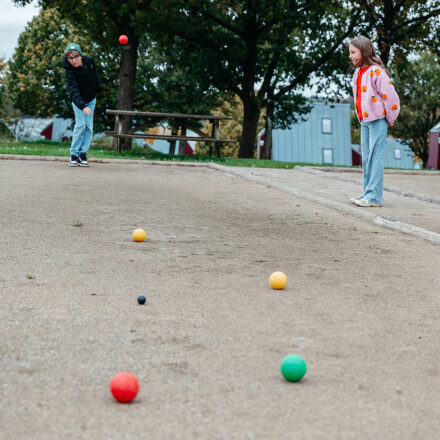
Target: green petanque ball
(293,368)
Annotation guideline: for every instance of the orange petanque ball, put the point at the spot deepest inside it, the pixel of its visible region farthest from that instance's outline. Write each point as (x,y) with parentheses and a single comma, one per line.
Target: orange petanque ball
(124,387)
(139,235)
(278,280)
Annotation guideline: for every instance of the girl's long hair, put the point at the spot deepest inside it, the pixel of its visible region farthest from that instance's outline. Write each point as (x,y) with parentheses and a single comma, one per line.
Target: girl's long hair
(368,53)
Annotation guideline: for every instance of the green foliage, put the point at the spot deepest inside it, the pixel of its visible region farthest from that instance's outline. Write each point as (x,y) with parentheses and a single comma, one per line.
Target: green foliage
(355,128)
(37,76)
(164,84)
(313,55)
(417,83)
(102,20)
(7,114)
(397,28)
(3,66)
(290,108)
(35,80)
(3,128)
(400,27)
(254,49)
(194,54)
(101,23)
(229,129)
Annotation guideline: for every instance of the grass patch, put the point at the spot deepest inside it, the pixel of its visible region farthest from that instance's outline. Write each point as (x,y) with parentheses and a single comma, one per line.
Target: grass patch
(103,151)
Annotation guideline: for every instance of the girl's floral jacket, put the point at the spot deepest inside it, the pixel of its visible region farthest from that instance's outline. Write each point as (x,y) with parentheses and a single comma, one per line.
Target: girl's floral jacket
(378,96)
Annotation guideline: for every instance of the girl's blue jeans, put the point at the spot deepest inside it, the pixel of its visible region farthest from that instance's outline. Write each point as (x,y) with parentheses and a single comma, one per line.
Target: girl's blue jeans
(373,143)
(83,130)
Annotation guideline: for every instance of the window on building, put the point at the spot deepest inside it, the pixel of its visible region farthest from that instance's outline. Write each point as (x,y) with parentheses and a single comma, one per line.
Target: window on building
(326,125)
(327,156)
(397,153)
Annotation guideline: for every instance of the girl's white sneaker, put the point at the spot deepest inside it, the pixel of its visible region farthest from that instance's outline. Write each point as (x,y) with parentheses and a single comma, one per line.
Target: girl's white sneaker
(364,203)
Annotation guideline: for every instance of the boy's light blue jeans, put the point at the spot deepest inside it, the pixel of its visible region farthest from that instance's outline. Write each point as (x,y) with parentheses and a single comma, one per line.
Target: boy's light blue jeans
(373,144)
(83,130)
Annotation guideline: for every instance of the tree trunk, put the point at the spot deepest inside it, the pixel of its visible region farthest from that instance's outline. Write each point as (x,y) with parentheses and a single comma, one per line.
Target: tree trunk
(251,114)
(384,51)
(182,144)
(423,151)
(127,79)
(267,147)
(173,143)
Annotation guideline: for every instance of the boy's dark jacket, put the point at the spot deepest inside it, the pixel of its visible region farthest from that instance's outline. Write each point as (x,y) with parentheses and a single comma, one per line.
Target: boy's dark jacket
(83,83)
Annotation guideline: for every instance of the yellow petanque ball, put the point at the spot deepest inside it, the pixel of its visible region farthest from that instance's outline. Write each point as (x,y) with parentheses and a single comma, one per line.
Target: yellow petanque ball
(278,280)
(139,235)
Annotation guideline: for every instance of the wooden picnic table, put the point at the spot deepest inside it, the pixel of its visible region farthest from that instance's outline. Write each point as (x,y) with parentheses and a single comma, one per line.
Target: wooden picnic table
(155,117)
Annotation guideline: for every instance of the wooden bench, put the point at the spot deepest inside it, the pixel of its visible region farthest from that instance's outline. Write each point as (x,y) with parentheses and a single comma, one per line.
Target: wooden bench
(183,122)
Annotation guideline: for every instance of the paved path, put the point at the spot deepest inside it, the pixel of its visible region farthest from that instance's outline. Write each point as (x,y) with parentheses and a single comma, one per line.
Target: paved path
(411,201)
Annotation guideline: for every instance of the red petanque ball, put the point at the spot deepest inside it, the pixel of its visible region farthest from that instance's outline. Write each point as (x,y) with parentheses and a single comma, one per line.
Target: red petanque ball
(123,39)
(124,387)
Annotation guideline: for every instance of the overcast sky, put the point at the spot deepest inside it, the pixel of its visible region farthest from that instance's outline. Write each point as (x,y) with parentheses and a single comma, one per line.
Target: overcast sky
(13,20)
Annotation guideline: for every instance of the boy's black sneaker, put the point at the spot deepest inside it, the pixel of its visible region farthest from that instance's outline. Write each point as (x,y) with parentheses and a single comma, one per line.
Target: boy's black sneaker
(73,161)
(83,160)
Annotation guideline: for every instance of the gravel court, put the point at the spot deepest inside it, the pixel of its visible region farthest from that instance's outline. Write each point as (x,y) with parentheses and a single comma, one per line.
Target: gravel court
(361,306)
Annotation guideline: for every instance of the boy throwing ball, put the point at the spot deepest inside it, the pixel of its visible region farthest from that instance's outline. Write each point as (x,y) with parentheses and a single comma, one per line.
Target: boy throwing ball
(83,83)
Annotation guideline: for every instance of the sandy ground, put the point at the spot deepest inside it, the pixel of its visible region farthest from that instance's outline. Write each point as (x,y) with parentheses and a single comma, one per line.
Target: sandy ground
(361,306)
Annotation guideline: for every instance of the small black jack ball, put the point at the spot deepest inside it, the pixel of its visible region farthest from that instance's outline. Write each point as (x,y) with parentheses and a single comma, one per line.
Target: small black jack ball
(141,299)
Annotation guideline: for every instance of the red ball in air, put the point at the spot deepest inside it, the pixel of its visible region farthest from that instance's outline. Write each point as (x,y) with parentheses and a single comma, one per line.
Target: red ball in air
(123,39)
(124,387)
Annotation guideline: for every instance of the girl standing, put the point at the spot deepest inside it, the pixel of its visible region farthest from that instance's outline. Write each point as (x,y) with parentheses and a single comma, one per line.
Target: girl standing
(377,105)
